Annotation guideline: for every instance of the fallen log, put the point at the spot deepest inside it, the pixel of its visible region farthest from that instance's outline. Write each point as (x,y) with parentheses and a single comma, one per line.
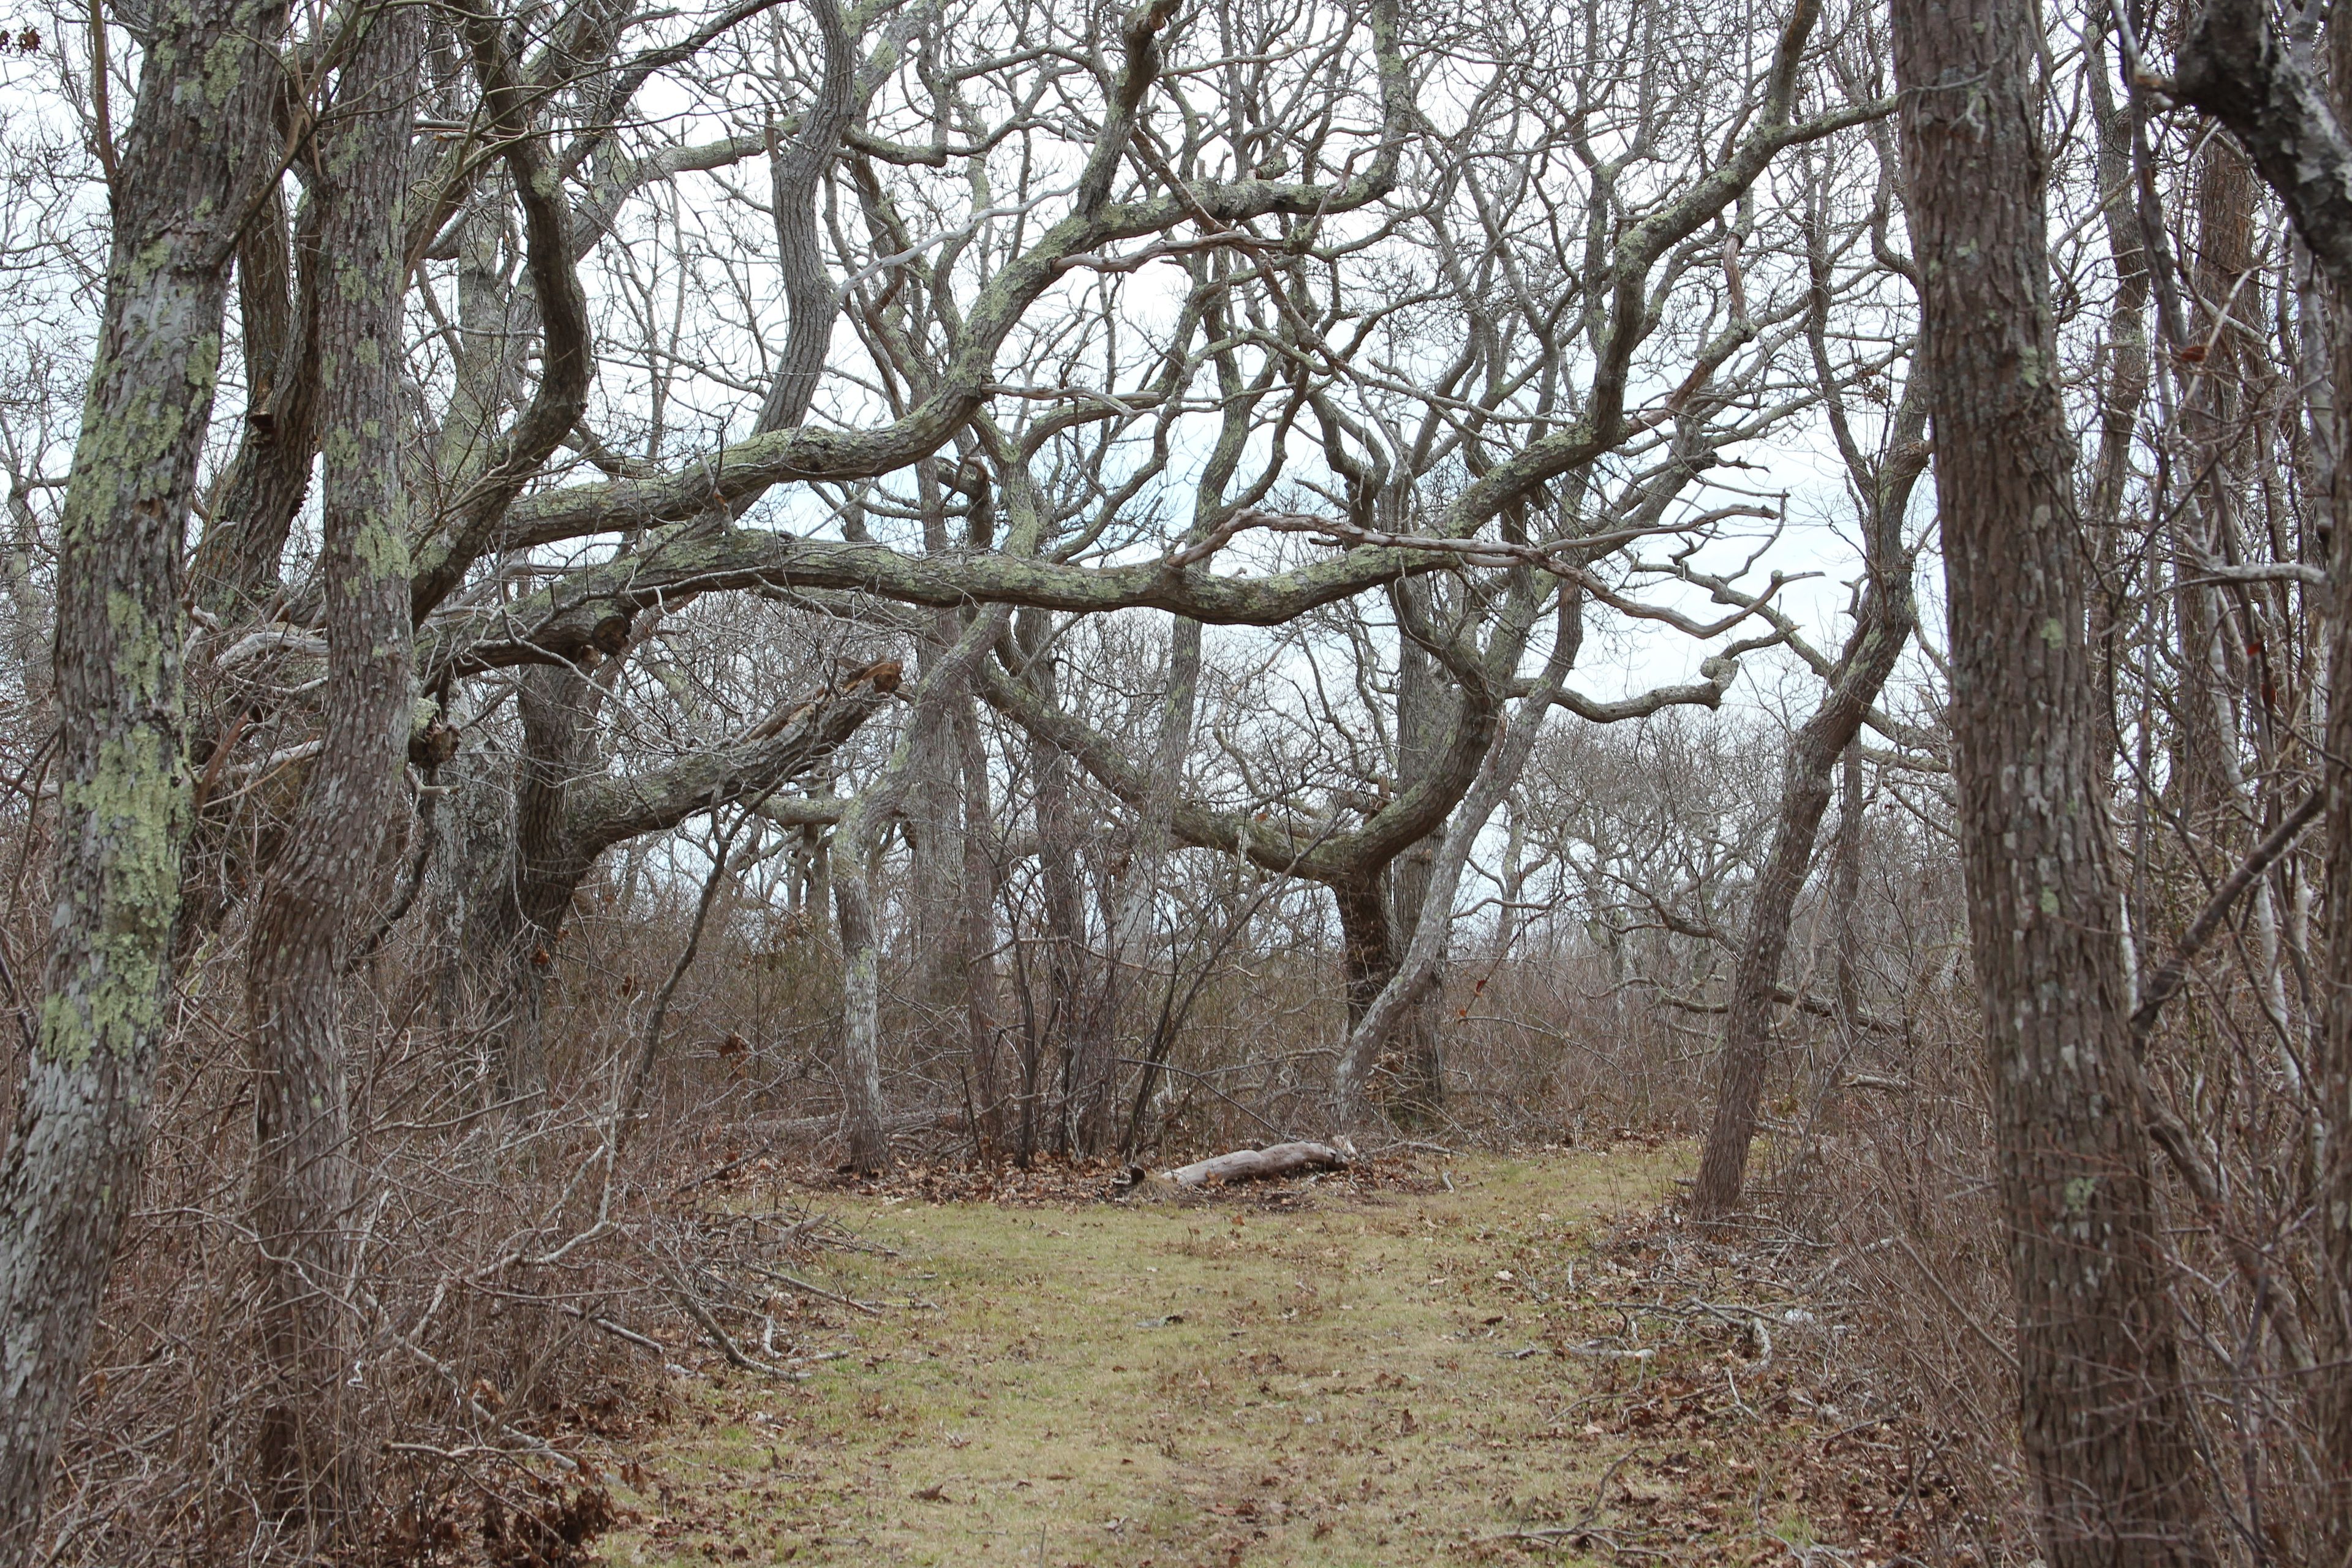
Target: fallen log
(1259,1164)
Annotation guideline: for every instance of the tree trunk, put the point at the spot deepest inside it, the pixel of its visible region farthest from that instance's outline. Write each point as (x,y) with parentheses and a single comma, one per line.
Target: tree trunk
(1414,975)
(73,1162)
(1070,1023)
(1135,916)
(2103,1414)
(1847,889)
(304,1184)
(1426,711)
(936,858)
(856,839)
(978,944)
(1883,626)
(861,1012)
(525,919)
(1367,945)
(257,497)
(1259,1164)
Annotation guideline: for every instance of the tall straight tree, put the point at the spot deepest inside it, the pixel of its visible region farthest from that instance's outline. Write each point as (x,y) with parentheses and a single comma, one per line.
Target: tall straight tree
(320,882)
(184,178)
(2102,1415)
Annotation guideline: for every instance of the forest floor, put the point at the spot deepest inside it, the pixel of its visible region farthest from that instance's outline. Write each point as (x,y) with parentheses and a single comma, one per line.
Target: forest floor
(1465,1363)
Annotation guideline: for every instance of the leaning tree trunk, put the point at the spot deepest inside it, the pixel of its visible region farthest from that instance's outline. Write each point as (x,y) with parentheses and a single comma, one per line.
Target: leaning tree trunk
(73,1161)
(2103,1414)
(1883,624)
(312,1462)
(1414,974)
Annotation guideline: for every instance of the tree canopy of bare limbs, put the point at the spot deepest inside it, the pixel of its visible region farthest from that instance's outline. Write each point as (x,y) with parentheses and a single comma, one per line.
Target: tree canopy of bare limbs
(973,580)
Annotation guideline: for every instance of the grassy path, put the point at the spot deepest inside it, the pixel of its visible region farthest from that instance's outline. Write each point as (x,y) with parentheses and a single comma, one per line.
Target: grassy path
(1380,1378)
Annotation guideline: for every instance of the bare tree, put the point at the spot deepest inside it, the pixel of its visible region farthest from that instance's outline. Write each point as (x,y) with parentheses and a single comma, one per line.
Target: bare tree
(321,882)
(1883,624)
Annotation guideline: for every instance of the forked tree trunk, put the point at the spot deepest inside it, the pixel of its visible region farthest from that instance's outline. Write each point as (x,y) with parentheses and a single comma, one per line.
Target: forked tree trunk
(1413,974)
(312,1461)
(73,1162)
(2102,1415)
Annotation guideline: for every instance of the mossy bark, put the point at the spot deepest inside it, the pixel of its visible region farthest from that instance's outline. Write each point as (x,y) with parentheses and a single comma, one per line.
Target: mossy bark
(72,1168)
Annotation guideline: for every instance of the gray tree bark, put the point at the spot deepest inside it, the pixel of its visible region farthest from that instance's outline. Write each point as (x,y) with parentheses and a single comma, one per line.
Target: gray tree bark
(1415,973)
(1071,1028)
(2102,1415)
(978,887)
(1424,705)
(312,1462)
(73,1164)
(2234,65)
(855,843)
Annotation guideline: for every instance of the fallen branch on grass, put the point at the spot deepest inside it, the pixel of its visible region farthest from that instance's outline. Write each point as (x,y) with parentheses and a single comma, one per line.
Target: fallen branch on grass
(1259,1164)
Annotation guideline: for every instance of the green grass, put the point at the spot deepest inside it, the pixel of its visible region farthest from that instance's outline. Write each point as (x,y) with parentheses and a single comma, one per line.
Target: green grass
(1365,1382)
